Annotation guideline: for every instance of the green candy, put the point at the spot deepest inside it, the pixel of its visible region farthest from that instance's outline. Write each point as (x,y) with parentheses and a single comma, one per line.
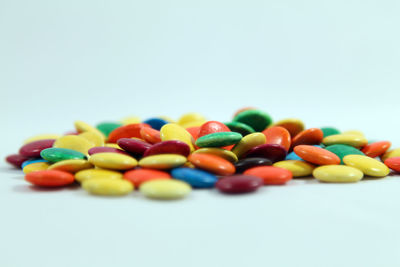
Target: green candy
(219,139)
(329,131)
(239,127)
(343,150)
(256,119)
(107,127)
(55,154)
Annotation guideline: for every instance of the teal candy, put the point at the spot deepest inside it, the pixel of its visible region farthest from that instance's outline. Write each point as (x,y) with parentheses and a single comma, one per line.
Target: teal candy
(219,139)
(55,154)
(239,127)
(107,127)
(343,150)
(256,119)
(329,131)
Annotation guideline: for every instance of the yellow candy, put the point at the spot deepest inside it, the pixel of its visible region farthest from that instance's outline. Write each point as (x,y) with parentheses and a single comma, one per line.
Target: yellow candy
(345,139)
(191,119)
(71,165)
(113,161)
(113,145)
(188,164)
(162,161)
(82,127)
(293,125)
(130,120)
(94,138)
(354,132)
(165,189)
(367,165)
(391,154)
(220,152)
(108,187)
(74,142)
(97,174)
(248,142)
(172,131)
(337,174)
(298,168)
(41,137)
(38,166)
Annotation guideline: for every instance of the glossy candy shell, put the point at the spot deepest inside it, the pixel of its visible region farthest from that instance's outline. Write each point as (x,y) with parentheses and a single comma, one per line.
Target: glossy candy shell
(196,178)
(298,168)
(107,187)
(33,149)
(162,161)
(212,163)
(58,154)
(273,152)
(270,174)
(50,178)
(139,176)
(168,147)
(113,161)
(248,163)
(278,135)
(337,174)
(165,189)
(367,165)
(316,155)
(256,119)
(239,184)
(219,139)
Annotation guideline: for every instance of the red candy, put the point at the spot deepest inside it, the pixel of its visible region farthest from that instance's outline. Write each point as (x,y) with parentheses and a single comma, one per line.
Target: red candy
(134,146)
(33,149)
(393,163)
(270,174)
(238,184)
(126,131)
(168,147)
(50,178)
(16,160)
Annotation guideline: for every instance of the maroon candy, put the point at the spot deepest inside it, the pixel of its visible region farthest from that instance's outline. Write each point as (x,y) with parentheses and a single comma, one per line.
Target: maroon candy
(33,149)
(168,147)
(134,146)
(104,149)
(16,160)
(273,152)
(238,184)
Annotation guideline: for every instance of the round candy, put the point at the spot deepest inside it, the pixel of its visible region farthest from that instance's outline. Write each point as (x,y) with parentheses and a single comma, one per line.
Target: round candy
(345,139)
(316,155)
(173,131)
(376,149)
(271,175)
(139,176)
(82,127)
(343,150)
(239,127)
(256,119)
(196,178)
(247,143)
(150,135)
(16,160)
(33,149)
(248,163)
(191,119)
(273,152)
(133,146)
(239,184)
(327,131)
(102,149)
(94,138)
(96,173)
(126,131)
(367,165)
(74,142)
(391,154)
(162,161)
(50,178)
(194,131)
(220,152)
(294,126)
(212,127)
(38,166)
(212,163)
(107,127)
(165,189)
(113,161)
(156,123)
(168,147)
(31,161)
(298,168)
(219,139)
(107,187)
(278,135)
(242,109)
(312,136)
(393,163)
(58,154)
(337,174)
(71,165)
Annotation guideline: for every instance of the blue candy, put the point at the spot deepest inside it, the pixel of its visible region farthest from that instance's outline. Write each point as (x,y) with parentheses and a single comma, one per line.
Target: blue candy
(156,123)
(196,178)
(30,161)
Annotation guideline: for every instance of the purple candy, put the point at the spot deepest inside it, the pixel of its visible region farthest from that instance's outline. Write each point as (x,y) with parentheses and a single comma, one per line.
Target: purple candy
(273,152)
(103,149)
(33,149)
(133,146)
(168,147)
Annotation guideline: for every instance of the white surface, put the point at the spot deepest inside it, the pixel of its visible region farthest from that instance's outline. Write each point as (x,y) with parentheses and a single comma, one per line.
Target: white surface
(328,63)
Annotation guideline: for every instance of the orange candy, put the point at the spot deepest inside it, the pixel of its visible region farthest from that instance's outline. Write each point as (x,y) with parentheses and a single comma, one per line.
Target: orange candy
(150,135)
(312,136)
(126,131)
(194,132)
(270,174)
(376,149)
(393,163)
(50,178)
(278,135)
(212,164)
(139,176)
(316,155)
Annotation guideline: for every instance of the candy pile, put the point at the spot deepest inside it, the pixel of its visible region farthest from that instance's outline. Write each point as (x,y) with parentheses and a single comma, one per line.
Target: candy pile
(165,160)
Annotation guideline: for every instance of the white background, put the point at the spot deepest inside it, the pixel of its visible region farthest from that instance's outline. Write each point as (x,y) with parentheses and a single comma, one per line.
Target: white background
(327,62)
